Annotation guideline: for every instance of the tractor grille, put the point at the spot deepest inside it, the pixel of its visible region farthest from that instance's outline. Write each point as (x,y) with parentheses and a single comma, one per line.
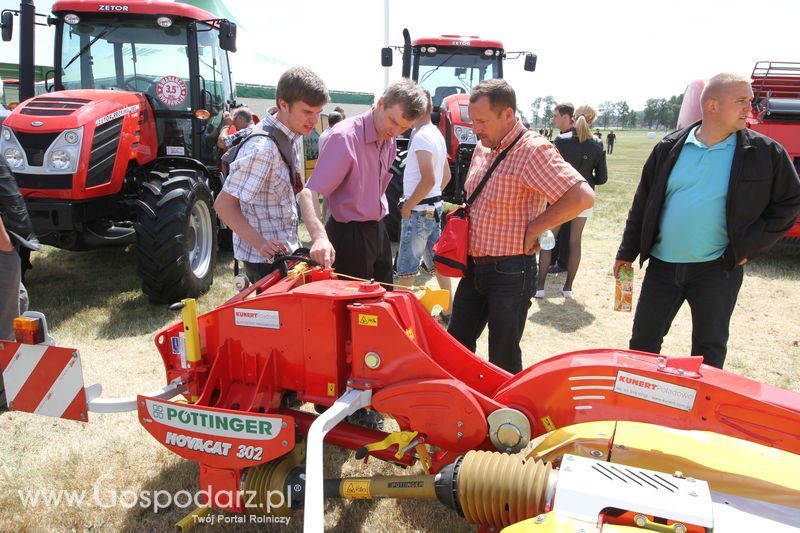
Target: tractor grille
(35,145)
(50,107)
(43,181)
(104,152)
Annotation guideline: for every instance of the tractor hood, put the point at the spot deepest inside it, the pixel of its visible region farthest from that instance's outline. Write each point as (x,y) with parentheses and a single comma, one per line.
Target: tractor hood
(73,109)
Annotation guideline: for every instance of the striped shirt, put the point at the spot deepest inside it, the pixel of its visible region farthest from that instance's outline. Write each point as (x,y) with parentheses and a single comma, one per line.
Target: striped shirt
(259,179)
(532,175)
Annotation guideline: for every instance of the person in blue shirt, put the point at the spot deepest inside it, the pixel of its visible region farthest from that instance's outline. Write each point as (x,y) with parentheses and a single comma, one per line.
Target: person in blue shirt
(712,197)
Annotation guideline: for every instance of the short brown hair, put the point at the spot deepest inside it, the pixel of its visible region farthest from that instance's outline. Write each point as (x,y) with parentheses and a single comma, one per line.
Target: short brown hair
(409,95)
(500,94)
(301,84)
(565,108)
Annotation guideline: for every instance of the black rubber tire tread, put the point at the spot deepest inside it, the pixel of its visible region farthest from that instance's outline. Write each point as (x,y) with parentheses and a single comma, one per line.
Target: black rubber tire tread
(161,241)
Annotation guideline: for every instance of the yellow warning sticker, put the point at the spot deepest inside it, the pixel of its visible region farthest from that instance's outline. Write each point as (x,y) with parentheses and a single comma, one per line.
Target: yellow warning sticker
(410,333)
(356,489)
(368,320)
(332,389)
(548,424)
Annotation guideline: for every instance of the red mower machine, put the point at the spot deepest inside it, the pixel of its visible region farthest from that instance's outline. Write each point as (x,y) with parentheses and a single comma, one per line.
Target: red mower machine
(775,112)
(448,67)
(595,440)
(123,150)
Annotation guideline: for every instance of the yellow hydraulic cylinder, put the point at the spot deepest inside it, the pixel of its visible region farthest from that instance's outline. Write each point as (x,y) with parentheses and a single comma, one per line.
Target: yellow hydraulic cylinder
(191,330)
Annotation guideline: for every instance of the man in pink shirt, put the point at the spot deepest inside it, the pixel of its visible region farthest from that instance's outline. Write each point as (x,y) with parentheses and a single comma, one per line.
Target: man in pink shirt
(352,173)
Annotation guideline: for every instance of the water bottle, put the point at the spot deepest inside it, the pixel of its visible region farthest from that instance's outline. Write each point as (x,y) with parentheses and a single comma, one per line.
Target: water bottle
(547,240)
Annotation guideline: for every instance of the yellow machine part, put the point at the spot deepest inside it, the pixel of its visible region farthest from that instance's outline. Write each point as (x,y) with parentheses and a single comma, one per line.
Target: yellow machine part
(729,465)
(590,439)
(552,523)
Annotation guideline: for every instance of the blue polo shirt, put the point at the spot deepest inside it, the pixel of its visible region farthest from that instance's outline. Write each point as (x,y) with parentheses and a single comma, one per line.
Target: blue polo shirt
(693,227)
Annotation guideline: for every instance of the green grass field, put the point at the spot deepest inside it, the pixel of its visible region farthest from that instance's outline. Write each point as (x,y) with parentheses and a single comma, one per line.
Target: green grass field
(93,303)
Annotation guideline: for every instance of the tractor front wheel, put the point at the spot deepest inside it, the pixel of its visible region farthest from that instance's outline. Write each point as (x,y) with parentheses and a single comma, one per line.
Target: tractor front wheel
(176,236)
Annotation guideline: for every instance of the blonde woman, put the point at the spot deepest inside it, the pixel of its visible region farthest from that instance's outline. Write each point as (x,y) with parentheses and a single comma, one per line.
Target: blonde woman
(581,149)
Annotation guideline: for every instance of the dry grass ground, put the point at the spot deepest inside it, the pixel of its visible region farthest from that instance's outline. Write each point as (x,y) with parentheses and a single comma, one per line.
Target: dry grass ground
(93,303)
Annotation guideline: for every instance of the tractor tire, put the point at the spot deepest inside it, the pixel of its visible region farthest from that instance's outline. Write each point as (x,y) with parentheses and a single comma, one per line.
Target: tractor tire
(176,236)
(393,194)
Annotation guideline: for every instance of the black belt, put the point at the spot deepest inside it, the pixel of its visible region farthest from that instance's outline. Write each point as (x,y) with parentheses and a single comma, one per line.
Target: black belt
(491,259)
(433,200)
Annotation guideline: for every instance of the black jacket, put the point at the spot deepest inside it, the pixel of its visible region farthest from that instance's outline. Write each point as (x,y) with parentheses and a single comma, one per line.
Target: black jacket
(588,158)
(13,211)
(762,204)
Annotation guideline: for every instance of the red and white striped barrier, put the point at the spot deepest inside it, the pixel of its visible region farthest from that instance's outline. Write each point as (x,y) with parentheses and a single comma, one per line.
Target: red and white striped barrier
(44,380)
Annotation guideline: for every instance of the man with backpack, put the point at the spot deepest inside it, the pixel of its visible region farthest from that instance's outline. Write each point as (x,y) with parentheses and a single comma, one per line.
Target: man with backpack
(258,199)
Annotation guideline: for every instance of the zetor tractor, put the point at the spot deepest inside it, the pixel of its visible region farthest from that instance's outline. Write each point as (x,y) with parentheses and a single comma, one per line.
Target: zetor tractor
(775,112)
(122,150)
(448,67)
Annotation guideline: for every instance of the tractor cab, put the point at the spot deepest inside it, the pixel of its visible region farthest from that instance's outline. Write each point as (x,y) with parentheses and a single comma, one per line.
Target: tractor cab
(448,67)
(179,63)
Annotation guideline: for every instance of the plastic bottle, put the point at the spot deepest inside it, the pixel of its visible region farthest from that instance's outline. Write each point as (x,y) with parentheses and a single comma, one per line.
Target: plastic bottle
(547,240)
(623,293)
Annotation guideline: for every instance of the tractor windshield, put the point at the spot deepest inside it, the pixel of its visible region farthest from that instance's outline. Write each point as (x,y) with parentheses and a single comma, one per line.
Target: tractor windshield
(453,71)
(127,54)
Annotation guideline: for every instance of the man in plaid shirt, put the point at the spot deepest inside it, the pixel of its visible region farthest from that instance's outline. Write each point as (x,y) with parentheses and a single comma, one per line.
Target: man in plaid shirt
(506,220)
(258,200)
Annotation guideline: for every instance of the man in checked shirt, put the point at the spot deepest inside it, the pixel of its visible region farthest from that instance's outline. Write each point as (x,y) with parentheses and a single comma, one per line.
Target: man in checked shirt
(506,220)
(258,199)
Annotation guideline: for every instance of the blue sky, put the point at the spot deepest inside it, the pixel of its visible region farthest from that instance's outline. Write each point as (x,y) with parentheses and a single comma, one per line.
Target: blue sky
(589,51)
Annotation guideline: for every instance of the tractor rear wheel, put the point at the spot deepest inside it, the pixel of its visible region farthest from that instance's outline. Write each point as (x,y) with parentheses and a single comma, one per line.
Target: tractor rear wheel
(176,236)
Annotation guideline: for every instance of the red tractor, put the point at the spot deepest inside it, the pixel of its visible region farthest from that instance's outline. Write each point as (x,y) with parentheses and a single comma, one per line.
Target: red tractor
(122,148)
(448,67)
(775,113)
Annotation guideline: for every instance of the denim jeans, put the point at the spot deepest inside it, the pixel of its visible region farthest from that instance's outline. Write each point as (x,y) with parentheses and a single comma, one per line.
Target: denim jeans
(711,291)
(498,294)
(418,234)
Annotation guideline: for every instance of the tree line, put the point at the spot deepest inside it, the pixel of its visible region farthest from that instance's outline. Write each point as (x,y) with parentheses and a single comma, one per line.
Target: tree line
(657,113)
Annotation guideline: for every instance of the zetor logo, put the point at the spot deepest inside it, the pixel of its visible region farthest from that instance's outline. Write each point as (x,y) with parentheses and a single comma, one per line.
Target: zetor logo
(638,383)
(462,43)
(108,7)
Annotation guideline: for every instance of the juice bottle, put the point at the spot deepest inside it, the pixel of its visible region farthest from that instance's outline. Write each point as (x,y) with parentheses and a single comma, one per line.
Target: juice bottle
(623,294)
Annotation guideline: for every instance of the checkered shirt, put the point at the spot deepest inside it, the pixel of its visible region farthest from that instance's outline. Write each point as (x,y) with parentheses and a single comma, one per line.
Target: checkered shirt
(232,139)
(532,175)
(259,179)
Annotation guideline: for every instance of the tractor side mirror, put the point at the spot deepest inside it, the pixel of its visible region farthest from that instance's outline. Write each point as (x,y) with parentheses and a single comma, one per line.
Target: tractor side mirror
(48,85)
(530,62)
(227,35)
(386,57)
(7,20)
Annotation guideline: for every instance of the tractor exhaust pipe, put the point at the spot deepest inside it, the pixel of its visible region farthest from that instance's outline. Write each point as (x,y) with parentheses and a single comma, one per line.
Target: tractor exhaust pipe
(406,53)
(27,16)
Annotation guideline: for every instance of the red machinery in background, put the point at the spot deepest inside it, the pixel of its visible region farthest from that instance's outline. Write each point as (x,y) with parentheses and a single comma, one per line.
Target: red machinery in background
(121,149)
(775,112)
(491,445)
(449,67)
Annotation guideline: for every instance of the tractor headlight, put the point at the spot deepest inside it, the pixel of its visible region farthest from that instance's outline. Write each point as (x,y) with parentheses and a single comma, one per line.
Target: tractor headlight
(6,134)
(60,159)
(464,134)
(14,157)
(71,137)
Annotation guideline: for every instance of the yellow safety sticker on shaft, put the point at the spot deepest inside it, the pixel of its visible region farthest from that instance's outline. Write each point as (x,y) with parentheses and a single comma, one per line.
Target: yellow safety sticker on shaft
(548,424)
(368,320)
(356,489)
(331,389)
